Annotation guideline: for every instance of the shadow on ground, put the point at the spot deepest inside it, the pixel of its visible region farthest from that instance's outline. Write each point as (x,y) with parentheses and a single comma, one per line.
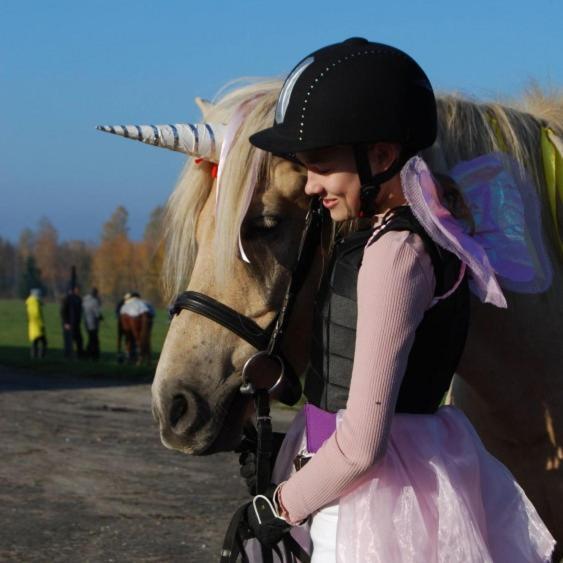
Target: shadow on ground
(104,372)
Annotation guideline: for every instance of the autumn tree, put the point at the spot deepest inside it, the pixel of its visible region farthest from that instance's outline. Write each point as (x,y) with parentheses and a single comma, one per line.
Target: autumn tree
(24,267)
(8,268)
(75,253)
(115,267)
(30,278)
(152,249)
(153,229)
(116,226)
(26,244)
(46,255)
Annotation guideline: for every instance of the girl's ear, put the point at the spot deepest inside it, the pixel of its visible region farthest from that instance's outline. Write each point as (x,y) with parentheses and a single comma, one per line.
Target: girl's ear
(382,155)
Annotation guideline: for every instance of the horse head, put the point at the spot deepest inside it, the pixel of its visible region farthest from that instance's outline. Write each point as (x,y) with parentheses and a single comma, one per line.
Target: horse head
(234,239)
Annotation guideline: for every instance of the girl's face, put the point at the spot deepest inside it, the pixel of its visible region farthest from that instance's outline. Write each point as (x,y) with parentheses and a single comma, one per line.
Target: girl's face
(332,175)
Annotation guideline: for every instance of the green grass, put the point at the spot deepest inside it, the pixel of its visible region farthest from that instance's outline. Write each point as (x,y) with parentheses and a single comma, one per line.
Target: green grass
(14,344)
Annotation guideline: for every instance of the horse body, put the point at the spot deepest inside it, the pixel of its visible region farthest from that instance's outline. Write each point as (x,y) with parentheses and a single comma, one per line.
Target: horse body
(510,380)
(509,383)
(137,333)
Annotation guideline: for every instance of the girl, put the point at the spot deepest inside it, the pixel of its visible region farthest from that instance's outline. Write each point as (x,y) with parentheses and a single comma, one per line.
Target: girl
(399,479)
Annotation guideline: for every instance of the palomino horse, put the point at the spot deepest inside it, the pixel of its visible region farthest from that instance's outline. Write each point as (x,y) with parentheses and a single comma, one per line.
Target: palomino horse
(510,382)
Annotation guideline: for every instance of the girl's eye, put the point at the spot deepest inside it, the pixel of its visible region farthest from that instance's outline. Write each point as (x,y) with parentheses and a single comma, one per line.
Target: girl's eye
(264,225)
(322,170)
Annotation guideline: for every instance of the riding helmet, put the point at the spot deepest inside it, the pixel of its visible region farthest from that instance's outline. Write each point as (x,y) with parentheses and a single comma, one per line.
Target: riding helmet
(351,93)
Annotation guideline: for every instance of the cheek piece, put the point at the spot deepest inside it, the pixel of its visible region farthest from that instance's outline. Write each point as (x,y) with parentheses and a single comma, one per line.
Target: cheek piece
(370,183)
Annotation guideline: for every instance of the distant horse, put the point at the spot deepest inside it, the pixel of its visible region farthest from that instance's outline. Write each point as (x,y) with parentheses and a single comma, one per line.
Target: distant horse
(510,382)
(135,324)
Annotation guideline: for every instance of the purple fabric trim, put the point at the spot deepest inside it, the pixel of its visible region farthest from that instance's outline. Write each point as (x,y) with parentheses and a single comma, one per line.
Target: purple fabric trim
(319,427)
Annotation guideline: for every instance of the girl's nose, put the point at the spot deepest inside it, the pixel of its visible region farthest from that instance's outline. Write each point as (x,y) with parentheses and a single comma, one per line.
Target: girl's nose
(313,185)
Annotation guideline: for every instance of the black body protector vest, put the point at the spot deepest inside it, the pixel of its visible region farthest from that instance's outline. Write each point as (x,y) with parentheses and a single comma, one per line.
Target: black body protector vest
(439,338)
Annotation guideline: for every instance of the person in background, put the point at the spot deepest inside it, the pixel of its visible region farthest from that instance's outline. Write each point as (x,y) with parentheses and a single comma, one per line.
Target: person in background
(71,315)
(36,324)
(92,309)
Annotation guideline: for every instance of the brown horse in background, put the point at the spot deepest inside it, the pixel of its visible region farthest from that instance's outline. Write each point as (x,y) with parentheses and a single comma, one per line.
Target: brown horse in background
(137,333)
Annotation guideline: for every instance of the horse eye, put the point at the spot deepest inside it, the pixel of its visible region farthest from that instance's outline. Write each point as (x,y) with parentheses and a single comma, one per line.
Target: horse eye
(268,222)
(264,225)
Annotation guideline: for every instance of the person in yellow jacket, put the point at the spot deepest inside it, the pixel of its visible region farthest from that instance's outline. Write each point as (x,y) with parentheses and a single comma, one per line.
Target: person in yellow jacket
(36,324)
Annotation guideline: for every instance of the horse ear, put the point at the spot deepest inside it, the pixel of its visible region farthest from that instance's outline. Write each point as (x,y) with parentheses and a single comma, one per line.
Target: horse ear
(202,140)
(204,106)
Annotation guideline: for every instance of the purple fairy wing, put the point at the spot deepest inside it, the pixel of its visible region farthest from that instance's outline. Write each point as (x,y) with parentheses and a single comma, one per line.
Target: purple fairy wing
(421,192)
(506,212)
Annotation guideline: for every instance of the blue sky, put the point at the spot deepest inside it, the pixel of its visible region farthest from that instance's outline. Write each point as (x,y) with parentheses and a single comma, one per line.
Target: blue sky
(67,66)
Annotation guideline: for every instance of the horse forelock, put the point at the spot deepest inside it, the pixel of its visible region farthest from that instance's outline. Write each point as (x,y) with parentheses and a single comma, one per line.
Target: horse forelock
(245,173)
(196,184)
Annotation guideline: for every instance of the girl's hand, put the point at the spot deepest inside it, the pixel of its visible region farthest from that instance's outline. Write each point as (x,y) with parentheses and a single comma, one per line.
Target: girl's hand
(266,525)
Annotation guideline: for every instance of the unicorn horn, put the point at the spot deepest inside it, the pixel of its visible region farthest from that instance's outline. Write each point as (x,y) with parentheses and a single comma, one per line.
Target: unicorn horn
(201,140)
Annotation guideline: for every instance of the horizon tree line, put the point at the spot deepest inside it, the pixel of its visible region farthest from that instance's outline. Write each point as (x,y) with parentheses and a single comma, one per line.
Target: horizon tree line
(115,266)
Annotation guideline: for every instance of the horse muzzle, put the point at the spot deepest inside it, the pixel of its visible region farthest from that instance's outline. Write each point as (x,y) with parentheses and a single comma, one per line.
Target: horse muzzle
(198,425)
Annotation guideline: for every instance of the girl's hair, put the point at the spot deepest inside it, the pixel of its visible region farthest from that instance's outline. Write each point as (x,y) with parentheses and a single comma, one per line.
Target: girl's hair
(453,200)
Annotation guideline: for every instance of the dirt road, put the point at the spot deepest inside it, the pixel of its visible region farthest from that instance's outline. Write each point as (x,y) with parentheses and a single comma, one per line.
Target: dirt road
(84,477)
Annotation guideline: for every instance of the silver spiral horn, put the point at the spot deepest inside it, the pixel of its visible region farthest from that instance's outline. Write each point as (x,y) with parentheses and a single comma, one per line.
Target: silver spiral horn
(201,140)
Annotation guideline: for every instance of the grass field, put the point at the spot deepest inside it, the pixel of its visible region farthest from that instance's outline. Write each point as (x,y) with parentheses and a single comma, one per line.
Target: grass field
(14,344)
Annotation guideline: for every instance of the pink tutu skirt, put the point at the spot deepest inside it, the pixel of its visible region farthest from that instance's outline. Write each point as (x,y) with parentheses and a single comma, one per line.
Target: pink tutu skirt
(436,496)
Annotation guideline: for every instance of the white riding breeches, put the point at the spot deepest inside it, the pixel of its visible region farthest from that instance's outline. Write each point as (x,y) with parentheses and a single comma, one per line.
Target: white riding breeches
(323,534)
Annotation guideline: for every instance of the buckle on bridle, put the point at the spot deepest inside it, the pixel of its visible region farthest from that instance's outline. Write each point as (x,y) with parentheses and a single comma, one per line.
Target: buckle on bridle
(252,382)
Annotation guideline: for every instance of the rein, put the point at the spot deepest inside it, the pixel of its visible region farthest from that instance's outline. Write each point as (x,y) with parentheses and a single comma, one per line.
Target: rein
(267,342)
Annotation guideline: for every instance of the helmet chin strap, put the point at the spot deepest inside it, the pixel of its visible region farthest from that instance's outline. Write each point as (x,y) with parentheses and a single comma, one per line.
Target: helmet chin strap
(370,183)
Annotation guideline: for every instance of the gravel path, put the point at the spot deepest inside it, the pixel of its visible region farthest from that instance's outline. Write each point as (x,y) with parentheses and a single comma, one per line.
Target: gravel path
(84,477)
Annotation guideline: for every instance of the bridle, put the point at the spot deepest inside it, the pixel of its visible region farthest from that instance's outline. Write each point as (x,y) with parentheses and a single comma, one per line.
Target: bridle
(266,341)
(286,387)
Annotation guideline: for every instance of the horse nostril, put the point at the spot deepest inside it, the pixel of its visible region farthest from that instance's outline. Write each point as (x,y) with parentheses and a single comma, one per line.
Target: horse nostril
(178,409)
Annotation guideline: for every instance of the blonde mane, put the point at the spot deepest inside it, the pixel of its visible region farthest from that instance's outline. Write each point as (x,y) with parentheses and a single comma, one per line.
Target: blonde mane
(195,184)
(469,128)
(466,129)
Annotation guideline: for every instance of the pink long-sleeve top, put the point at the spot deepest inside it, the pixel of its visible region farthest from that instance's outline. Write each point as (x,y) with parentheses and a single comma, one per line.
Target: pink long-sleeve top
(395,287)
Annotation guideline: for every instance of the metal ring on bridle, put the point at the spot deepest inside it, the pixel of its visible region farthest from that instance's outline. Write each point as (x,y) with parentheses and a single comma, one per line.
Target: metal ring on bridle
(254,357)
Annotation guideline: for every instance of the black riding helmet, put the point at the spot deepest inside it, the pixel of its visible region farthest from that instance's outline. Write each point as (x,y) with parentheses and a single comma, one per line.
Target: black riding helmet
(354,93)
